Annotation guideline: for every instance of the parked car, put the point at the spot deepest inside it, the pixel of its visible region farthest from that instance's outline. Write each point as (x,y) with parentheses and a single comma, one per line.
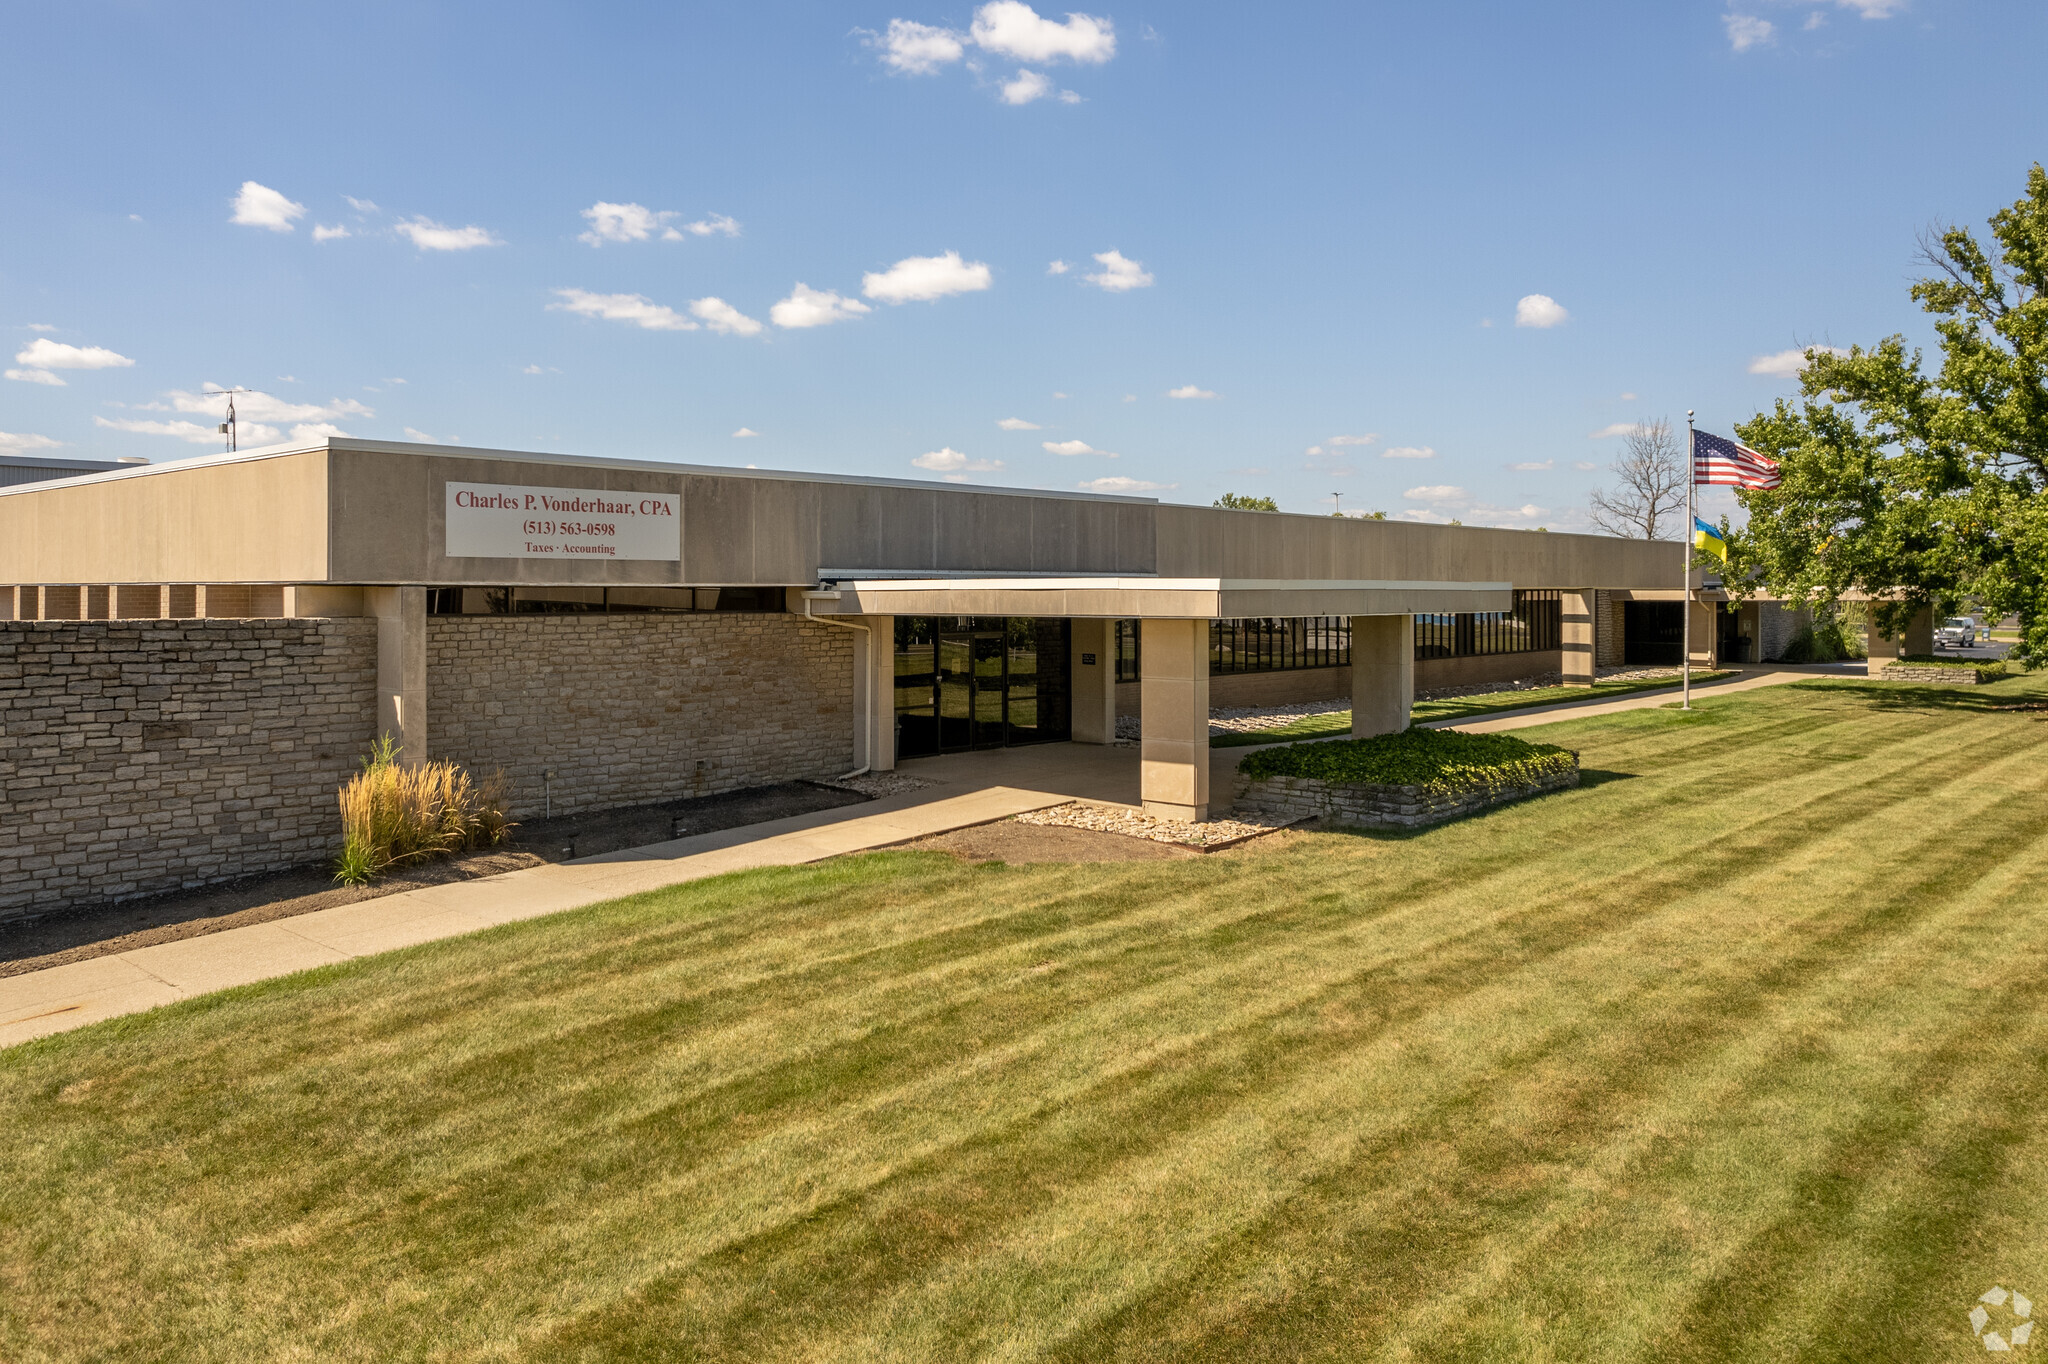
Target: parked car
(1957,632)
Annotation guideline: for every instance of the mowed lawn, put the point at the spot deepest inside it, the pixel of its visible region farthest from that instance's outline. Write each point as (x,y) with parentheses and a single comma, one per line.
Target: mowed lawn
(1739,1052)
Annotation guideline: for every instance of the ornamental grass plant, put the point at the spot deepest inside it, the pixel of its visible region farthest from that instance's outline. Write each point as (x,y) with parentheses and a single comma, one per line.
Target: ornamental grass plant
(392,814)
(1433,761)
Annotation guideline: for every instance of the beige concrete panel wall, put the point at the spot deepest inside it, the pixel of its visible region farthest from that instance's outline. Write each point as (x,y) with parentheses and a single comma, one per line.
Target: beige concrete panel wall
(1382,674)
(259,520)
(142,756)
(1174,749)
(403,701)
(1579,630)
(880,697)
(1094,682)
(630,710)
(739,531)
(388,520)
(1205,540)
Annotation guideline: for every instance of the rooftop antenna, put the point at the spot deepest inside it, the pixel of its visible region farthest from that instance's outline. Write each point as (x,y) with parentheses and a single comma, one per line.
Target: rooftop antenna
(1338,498)
(227,428)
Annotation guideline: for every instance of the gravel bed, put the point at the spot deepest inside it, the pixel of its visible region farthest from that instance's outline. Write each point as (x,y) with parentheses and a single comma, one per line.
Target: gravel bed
(1105,819)
(879,784)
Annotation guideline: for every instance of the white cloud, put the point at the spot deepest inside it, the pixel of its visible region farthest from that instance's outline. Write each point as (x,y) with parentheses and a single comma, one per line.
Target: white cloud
(35,376)
(1072,447)
(808,307)
(1119,275)
(923,278)
(1615,429)
(637,309)
(533,369)
(1026,87)
(1786,364)
(1367,439)
(20,443)
(324,233)
(1130,397)
(261,206)
(414,433)
(1441,494)
(1313,450)
(717,225)
(1409,452)
(43,353)
(1058,267)
(1628,397)
(1117,483)
(428,235)
(620,223)
(1018,424)
(265,407)
(1814,21)
(1190,391)
(1069,97)
(723,318)
(312,431)
(190,431)
(1539,310)
(1014,29)
(950,460)
(1057,394)
(1747,30)
(1585,466)
(1534,466)
(744,433)
(41,327)
(360,205)
(912,49)
(1426,517)
(1873,9)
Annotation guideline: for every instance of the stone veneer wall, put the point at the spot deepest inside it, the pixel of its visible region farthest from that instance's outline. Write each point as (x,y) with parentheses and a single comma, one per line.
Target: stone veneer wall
(1610,632)
(1778,624)
(1371,805)
(146,756)
(631,709)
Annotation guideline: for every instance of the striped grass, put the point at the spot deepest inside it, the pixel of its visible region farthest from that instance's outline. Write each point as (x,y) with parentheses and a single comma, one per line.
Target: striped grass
(1734,1053)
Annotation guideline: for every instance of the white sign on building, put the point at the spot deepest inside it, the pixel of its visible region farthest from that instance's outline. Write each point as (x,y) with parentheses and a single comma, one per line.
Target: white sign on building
(507,521)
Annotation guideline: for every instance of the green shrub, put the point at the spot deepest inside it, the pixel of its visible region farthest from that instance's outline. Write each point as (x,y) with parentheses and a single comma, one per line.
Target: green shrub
(1435,761)
(1824,641)
(391,815)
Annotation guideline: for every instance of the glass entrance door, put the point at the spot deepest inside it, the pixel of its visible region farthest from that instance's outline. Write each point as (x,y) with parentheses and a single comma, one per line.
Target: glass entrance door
(967,682)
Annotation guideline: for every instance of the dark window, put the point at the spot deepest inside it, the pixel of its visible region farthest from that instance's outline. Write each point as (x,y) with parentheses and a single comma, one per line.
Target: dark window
(1127,651)
(1272,644)
(1652,633)
(1535,623)
(980,682)
(498,601)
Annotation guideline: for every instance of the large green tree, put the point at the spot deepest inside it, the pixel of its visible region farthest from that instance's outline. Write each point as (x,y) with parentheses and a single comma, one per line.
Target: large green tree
(1923,489)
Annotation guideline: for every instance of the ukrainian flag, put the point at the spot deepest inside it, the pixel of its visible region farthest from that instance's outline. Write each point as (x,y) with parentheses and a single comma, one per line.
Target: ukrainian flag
(1707,540)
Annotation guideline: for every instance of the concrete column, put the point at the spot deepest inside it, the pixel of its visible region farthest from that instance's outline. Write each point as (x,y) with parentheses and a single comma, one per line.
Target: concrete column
(1174,750)
(1579,636)
(1382,674)
(1918,638)
(1706,633)
(1094,681)
(401,614)
(881,710)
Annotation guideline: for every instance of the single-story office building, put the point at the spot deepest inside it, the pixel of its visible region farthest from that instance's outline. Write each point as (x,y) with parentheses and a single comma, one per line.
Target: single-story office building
(610,632)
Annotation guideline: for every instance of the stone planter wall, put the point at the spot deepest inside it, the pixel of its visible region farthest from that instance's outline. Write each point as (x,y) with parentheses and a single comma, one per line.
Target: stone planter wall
(1373,806)
(1949,677)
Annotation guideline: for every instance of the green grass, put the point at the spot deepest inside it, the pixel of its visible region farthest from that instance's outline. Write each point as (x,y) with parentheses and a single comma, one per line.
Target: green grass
(1737,1052)
(1455,708)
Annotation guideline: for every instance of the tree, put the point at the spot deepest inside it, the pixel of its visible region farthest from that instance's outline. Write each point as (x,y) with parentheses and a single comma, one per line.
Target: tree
(1649,485)
(1245,502)
(1922,490)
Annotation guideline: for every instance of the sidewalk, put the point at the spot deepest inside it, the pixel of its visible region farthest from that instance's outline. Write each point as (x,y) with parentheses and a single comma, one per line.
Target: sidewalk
(1779,674)
(77,993)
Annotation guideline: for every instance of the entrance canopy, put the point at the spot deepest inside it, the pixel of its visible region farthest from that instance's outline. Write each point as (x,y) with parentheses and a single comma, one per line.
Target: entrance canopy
(1158,598)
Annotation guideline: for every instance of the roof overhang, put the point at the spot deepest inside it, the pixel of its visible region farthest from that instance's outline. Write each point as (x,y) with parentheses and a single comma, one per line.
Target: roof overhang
(1166,598)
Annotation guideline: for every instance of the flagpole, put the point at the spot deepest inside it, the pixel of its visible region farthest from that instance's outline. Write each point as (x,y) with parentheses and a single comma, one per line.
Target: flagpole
(1685,543)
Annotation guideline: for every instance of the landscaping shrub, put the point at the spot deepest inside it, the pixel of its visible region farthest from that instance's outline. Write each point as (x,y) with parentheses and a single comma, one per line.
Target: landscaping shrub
(1435,761)
(1824,641)
(391,814)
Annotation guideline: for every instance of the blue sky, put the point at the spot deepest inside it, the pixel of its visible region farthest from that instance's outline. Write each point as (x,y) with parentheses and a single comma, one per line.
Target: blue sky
(1327,217)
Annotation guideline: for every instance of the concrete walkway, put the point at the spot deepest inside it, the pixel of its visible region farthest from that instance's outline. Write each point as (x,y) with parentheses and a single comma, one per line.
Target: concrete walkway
(1779,674)
(966,789)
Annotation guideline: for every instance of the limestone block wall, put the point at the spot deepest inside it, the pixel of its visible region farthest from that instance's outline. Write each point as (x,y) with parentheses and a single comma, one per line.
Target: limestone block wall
(629,709)
(1777,625)
(150,755)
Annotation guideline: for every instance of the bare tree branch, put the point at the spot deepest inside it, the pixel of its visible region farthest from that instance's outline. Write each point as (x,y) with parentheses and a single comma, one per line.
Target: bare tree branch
(1650,476)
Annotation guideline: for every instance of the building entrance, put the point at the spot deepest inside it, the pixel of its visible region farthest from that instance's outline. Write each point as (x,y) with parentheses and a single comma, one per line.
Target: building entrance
(966,682)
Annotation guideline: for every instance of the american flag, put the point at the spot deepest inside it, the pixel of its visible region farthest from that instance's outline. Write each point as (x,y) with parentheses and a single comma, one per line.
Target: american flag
(1717,460)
